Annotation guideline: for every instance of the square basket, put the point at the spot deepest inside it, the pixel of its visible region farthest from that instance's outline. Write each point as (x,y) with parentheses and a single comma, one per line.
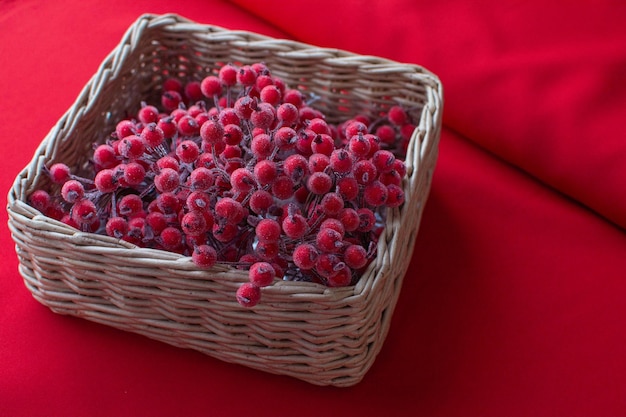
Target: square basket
(325,336)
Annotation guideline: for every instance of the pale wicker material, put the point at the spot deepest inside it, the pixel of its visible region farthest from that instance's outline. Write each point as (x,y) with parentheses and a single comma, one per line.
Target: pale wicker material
(317,334)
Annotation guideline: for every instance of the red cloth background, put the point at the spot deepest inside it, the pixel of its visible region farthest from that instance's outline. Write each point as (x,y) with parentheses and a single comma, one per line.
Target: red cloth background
(513,303)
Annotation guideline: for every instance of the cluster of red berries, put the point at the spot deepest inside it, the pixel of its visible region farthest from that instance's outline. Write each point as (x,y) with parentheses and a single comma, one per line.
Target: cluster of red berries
(238,168)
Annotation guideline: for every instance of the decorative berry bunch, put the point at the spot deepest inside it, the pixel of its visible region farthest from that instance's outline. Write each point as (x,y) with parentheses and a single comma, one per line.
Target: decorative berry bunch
(240,169)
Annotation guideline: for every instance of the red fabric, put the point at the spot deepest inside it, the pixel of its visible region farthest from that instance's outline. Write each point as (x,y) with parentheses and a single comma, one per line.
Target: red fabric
(513,303)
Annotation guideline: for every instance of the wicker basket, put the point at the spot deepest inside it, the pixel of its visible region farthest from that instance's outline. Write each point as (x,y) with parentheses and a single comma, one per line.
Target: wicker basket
(321,335)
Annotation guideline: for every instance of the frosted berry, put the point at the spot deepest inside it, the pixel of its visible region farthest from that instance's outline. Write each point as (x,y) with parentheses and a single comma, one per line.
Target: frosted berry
(171,99)
(72,191)
(40,199)
(201,179)
(148,114)
(375,193)
(167,180)
(305,256)
(116,227)
(397,115)
(130,204)
(187,151)
(262,274)
(211,86)
(260,201)
(104,156)
(332,203)
(295,226)
(84,212)
(341,161)
(341,278)
(265,171)
(248,294)
(395,196)
(134,173)
(106,181)
(268,230)
(355,256)
(212,132)
(319,183)
(228,75)
(193,223)
(329,240)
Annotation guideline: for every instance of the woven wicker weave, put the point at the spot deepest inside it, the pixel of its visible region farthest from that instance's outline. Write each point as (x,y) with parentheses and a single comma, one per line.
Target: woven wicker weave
(321,335)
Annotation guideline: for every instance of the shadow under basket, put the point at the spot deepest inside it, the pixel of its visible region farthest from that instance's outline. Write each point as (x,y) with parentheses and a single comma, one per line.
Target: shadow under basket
(325,336)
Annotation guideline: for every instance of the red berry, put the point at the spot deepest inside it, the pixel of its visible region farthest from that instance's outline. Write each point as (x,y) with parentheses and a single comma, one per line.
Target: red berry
(341,278)
(323,143)
(341,161)
(375,193)
(125,128)
(204,256)
(260,201)
(106,181)
(246,76)
(335,224)
(193,91)
(285,138)
(130,205)
(287,114)
(349,218)
(268,230)
(319,183)
(193,223)
(171,99)
(201,179)
(167,180)
(364,172)
(60,172)
(148,114)
(211,86)
(84,212)
(116,227)
(386,134)
(188,126)
(248,294)
(395,195)
(212,132)
(229,209)
(134,173)
(348,188)
(270,94)
(171,238)
(242,180)
(265,171)
(296,167)
(331,204)
(72,191)
(104,156)
(228,75)
(295,226)
(262,274)
(168,126)
(261,146)
(233,135)
(355,256)
(397,115)
(40,200)
(152,135)
(187,151)
(282,187)
(318,162)
(305,256)
(131,147)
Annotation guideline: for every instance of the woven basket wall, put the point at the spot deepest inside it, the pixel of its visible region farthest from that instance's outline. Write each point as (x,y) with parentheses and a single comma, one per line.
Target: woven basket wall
(321,335)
